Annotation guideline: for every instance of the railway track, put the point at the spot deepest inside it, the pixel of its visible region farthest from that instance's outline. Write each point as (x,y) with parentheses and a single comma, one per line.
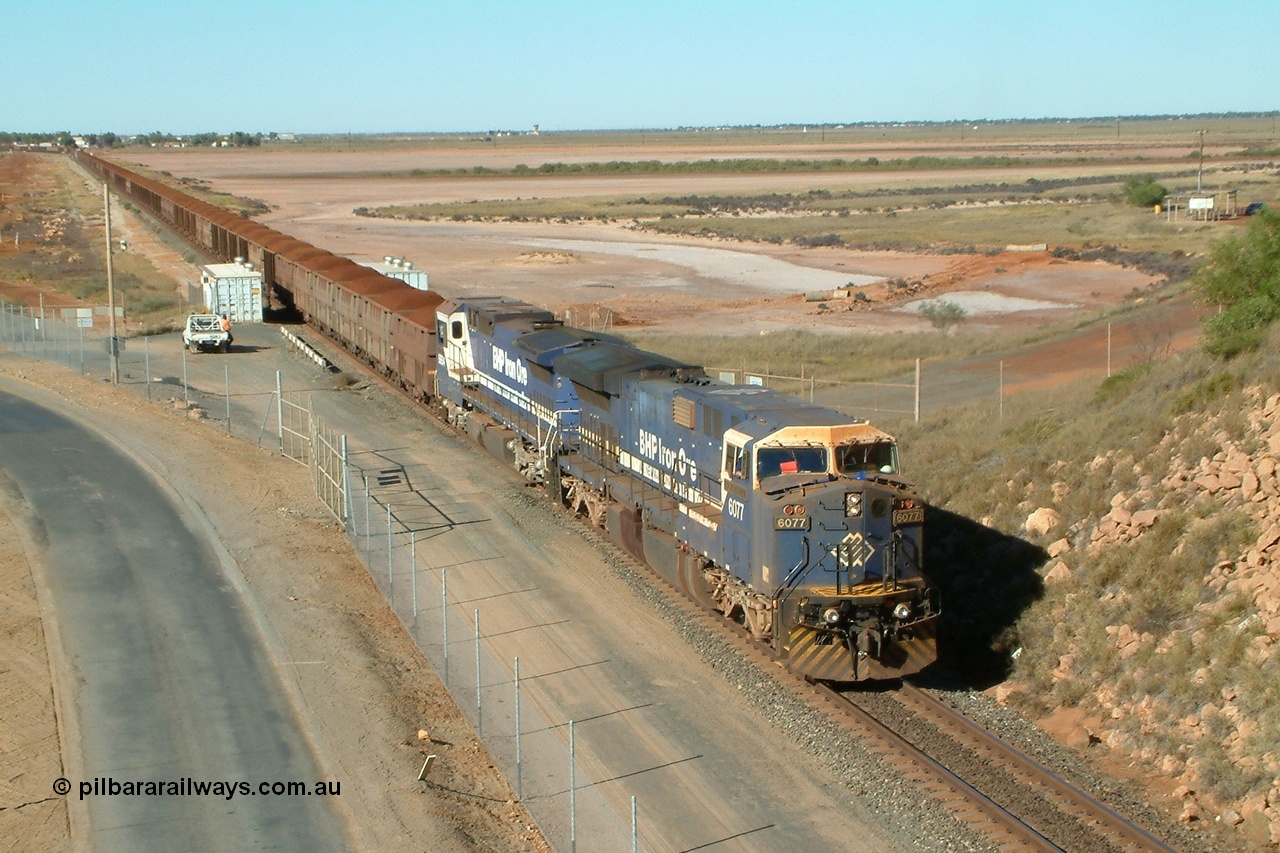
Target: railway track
(987,786)
(991,786)
(993,789)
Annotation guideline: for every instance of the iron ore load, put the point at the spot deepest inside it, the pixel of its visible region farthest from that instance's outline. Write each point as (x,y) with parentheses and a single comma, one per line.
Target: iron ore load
(789,517)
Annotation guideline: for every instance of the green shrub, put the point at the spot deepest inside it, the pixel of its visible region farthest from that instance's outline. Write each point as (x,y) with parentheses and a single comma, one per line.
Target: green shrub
(1243,278)
(1119,384)
(1204,392)
(943,314)
(155,303)
(1144,191)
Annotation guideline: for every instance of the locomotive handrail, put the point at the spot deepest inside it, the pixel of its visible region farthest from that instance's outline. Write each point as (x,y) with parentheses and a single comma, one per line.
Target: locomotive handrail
(890,580)
(794,576)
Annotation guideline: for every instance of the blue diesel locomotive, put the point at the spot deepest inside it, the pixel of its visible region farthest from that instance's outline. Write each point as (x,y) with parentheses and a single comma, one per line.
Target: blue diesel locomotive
(787,516)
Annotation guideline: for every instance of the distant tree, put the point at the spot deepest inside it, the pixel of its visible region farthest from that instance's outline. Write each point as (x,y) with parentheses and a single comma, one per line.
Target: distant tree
(1144,191)
(943,315)
(1242,276)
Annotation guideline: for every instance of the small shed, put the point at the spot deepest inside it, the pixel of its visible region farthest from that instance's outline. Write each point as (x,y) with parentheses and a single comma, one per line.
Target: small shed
(1202,205)
(233,289)
(400,269)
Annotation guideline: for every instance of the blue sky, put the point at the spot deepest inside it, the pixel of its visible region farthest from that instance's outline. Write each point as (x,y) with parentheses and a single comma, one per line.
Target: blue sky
(133,66)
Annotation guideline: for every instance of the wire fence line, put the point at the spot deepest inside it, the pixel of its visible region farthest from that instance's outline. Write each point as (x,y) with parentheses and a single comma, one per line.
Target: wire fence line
(856,398)
(531,744)
(76,337)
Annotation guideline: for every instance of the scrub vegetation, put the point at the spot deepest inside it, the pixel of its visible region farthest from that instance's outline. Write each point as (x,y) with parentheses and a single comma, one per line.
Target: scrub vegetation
(53,236)
(1072,213)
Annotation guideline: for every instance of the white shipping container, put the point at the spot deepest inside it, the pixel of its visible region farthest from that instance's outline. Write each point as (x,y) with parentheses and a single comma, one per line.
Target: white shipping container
(401,269)
(234,290)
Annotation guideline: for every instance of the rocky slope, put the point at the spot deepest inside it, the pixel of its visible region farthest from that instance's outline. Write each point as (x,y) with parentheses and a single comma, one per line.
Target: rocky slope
(1160,614)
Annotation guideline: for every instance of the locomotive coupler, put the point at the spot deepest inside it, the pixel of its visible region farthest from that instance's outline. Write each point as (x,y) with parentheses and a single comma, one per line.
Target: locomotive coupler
(869,640)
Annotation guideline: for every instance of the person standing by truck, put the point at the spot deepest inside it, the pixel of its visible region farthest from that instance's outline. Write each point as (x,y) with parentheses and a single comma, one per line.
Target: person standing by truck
(225,325)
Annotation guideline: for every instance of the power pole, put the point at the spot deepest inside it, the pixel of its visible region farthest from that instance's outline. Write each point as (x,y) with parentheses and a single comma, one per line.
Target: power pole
(1200,171)
(112,345)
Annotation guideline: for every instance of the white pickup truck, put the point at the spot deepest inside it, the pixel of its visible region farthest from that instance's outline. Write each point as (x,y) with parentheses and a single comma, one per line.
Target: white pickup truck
(203,333)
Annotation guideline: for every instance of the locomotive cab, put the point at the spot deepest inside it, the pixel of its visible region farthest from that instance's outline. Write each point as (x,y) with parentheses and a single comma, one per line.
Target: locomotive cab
(838,537)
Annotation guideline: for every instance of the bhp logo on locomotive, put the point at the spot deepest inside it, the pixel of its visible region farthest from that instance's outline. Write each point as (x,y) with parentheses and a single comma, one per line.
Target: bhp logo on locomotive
(512,368)
(651,447)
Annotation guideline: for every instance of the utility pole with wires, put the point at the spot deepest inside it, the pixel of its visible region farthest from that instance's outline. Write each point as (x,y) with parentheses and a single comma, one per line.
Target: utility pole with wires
(113,346)
(1200,171)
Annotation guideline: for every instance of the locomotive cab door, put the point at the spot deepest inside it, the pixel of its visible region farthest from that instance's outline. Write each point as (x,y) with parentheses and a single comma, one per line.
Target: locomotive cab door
(735,477)
(455,340)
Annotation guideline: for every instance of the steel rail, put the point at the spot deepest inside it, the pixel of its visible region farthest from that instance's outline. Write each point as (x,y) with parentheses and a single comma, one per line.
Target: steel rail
(966,803)
(1070,799)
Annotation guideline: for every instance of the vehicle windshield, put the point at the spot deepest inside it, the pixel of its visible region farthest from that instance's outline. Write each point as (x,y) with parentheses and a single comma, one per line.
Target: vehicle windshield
(772,461)
(865,458)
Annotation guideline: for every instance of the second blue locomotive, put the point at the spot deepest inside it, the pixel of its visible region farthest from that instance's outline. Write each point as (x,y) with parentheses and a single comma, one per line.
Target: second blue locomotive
(788,516)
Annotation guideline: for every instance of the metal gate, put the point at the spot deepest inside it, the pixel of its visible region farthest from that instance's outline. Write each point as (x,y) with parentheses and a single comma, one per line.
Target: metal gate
(306,439)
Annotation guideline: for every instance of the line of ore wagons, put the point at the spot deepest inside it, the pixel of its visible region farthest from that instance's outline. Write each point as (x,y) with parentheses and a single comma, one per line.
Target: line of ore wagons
(386,322)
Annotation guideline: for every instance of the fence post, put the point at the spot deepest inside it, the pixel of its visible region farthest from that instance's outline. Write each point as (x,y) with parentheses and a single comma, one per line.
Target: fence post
(279,411)
(519,777)
(391,575)
(346,487)
(226,372)
(444,621)
(917,390)
(479,703)
(146,348)
(573,796)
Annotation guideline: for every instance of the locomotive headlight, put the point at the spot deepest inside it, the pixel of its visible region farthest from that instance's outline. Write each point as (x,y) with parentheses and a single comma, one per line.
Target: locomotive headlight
(902,610)
(853,504)
(831,615)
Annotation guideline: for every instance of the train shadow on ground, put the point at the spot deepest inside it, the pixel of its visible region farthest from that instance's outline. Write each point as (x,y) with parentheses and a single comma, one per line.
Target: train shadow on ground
(987,579)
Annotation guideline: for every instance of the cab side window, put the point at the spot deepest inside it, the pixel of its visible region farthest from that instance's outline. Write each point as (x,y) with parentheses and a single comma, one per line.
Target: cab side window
(735,462)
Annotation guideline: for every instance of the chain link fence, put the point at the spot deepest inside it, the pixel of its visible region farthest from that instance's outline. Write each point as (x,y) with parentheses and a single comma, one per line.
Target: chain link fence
(531,744)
